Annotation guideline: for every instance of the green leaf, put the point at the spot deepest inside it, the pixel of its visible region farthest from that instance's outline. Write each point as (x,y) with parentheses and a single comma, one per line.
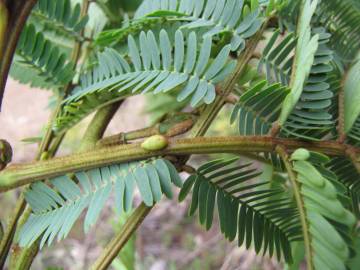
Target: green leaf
(321,206)
(156,64)
(57,206)
(43,58)
(352,97)
(248,211)
(304,57)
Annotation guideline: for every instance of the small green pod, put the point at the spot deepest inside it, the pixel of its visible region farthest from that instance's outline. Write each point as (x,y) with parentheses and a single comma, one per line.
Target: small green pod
(155,143)
(300,154)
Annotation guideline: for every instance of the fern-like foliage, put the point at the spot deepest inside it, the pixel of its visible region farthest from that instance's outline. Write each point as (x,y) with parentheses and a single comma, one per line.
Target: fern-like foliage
(339,17)
(311,118)
(351,94)
(306,48)
(354,132)
(57,205)
(211,17)
(342,19)
(44,57)
(258,108)
(60,15)
(154,65)
(277,58)
(255,214)
(347,174)
(325,214)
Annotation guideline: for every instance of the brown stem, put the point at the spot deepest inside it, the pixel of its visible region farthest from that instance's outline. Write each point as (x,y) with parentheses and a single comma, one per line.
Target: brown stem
(115,246)
(23,258)
(354,157)
(341,117)
(18,12)
(167,128)
(22,174)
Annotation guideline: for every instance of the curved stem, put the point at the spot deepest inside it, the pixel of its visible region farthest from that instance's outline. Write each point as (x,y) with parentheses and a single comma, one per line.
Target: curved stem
(16,19)
(96,129)
(300,205)
(115,246)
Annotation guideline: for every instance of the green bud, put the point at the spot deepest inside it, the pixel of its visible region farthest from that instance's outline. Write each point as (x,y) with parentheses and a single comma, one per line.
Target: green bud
(300,154)
(154,143)
(5,154)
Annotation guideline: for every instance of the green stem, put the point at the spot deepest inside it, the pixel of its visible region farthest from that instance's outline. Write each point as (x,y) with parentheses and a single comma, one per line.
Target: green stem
(169,128)
(211,111)
(23,258)
(96,129)
(300,205)
(113,18)
(115,246)
(22,174)
(8,236)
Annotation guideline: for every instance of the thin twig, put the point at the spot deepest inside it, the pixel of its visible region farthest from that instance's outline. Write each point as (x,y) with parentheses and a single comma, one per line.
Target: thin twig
(115,246)
(341,112)
(299,202)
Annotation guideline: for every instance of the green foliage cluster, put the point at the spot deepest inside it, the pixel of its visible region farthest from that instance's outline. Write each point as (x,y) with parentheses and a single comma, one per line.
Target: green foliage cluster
(290,70)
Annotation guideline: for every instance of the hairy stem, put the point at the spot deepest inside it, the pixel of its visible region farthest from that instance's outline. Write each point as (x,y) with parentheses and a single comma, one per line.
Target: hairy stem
(9,233)
(341,112)
(22,174)
(300,204)
(114,247)
(168,128)
(24,257)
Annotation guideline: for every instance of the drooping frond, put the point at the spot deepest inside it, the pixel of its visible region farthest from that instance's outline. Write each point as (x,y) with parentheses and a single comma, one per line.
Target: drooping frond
(327,219)
(310,118)
(41,55)
(277,59)
(258,108)
(342,20)
(60,15)
(306,48)
(250,211)
(156,66)
(347,174)
(212,17)
(57,205)
(351,103)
